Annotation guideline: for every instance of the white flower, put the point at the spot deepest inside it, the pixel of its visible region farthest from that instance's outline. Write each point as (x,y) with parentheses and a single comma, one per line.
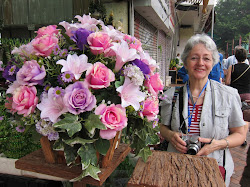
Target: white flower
(135,74)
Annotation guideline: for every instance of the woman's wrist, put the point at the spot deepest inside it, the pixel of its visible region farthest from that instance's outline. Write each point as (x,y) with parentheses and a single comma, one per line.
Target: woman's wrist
(227,143)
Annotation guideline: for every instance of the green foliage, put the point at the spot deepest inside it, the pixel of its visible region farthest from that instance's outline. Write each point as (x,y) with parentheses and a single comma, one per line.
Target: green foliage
(8,45)
(141,134)
(12,143)
(173,63)
(76,142)
(232,21)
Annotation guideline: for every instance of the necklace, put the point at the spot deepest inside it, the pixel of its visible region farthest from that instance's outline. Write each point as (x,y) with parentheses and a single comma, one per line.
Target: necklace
(197,97)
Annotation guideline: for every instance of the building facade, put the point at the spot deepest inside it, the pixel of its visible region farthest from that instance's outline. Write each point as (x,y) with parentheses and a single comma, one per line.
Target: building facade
(162,26)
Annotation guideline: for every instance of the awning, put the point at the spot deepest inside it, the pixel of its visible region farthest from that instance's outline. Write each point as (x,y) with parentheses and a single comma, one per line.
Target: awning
(205,3)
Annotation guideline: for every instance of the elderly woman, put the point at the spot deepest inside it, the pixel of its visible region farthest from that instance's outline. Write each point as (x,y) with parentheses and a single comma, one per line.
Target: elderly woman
(210,109)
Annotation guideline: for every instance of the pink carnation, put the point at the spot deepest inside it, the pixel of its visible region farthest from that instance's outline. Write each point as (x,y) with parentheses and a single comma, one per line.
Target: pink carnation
(133,42)
(150,108)
(154,84)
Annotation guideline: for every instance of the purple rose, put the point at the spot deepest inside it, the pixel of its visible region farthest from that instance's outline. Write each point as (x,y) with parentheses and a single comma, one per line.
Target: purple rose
(80,37)
(144,67)
(78,98)
(31,74)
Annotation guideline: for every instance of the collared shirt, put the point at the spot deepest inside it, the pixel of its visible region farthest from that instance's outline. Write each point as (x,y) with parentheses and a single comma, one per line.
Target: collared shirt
(228,114)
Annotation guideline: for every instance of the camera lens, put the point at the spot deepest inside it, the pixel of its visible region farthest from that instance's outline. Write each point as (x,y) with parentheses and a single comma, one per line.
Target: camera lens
(193,149)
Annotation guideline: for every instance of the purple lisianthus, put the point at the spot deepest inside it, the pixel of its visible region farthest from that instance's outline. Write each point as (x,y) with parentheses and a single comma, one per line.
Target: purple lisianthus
(9,72)
(78,98)
(80,37)
(31,74)
(144,67)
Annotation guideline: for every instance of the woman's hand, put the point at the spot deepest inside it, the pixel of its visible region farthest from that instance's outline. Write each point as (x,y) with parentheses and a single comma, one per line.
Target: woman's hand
(177,142)
(210,146)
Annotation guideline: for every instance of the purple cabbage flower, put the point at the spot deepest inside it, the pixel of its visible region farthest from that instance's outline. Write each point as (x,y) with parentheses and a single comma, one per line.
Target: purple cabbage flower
(31,74)
(144,67)
(80,37)
(78,98)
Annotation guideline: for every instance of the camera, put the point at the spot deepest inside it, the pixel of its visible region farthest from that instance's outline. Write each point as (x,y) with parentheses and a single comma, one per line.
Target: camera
(193,144)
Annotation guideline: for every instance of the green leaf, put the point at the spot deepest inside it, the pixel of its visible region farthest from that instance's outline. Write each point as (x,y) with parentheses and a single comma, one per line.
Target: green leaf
(137,144)
(89,171)
(145,153)
(102,146)
(94,122)
(70,123)
(78,140)
(88,155)
(119,83)
(152,139)
(58,145)
(69,154)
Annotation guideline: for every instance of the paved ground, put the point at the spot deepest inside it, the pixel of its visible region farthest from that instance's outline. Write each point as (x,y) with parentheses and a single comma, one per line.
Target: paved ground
(239,156)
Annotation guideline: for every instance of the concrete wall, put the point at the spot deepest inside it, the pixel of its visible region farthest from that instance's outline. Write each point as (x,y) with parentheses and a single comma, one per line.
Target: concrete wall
(120,12)
(185,34)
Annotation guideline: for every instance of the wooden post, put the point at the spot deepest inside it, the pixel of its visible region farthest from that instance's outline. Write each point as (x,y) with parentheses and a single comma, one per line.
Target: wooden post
(114,143)
(49,154)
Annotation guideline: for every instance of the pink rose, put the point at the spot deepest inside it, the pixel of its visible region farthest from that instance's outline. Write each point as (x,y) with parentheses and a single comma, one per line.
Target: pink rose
(44,45)
(113,117)
(150,108)
(154,84)
(99,76)
(99,43)
(49,30)
(24,100)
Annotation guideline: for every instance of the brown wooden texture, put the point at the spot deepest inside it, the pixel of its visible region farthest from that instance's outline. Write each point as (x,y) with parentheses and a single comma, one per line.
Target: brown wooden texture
(35,162)
(49,154)
(164,169)
(114,143)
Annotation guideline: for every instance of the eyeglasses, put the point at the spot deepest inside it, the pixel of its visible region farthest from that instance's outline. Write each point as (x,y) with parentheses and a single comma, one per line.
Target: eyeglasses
(197,59)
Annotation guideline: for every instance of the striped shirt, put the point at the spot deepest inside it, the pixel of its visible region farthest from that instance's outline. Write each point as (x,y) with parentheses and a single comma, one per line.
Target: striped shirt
(196,116)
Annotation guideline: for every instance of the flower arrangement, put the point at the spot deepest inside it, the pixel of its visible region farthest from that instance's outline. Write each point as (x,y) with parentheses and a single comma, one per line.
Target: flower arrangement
(78,84)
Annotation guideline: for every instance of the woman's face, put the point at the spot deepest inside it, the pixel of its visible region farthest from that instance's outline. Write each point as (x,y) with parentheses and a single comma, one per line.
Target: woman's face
(199,62)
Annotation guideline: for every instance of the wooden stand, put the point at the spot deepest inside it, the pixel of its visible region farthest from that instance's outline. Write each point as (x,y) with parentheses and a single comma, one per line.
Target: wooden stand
(164,169)
(36,162)
(53,157)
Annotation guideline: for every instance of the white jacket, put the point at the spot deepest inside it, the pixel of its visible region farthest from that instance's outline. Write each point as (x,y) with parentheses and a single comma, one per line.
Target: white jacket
(228,114)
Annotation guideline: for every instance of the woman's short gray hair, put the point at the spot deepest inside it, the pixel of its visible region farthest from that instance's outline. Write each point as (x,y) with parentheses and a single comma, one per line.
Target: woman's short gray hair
(203,39)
